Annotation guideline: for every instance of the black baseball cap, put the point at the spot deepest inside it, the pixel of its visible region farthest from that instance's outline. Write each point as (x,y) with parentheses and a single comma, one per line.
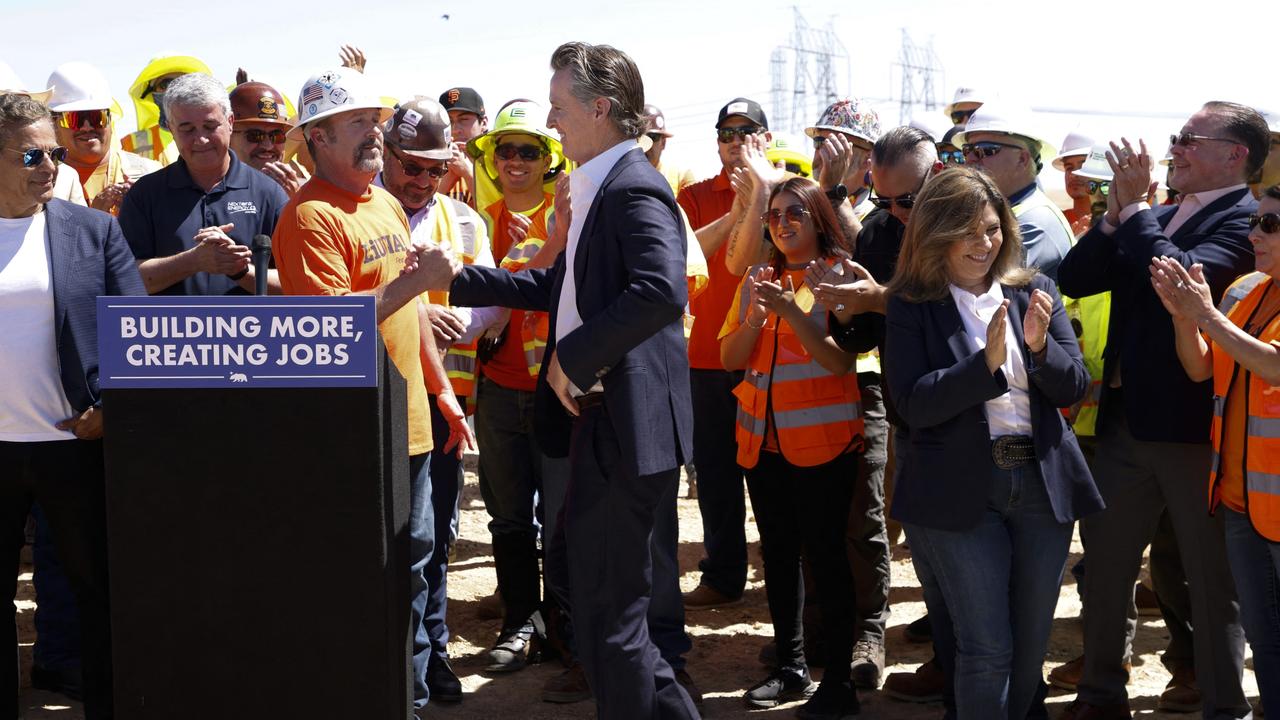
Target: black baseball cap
(463,98)
(742,107)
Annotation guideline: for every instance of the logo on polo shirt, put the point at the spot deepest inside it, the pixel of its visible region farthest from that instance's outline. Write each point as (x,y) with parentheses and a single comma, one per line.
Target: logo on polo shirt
(247,207)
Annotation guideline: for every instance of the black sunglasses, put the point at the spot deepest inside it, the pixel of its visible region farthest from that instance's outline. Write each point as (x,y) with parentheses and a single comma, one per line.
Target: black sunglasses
(528,153)
(960,117)
(157,86)
(1269,222)
(35,156)
(414,169)
(257,135)
(906,202)
(793,213)
(985,149)
(1099,186)
(1187,139)
(726,135)
(951,157)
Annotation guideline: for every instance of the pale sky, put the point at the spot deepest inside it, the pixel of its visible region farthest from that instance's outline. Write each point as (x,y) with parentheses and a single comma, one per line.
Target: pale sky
(1148,65)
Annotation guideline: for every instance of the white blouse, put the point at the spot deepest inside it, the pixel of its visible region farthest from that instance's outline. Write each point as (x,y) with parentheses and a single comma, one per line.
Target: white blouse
(1009,414)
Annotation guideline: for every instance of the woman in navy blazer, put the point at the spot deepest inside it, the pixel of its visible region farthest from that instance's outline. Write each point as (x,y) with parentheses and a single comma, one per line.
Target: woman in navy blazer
(979,356)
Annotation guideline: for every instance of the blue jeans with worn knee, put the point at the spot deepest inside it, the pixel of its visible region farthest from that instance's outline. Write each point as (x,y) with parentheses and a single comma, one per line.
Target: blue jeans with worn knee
(422,541)
(1255,565)
(1000,582)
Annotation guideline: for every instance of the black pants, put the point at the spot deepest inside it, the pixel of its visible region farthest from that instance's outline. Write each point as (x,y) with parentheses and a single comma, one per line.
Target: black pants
(720,497)
(67,479)
(806,510)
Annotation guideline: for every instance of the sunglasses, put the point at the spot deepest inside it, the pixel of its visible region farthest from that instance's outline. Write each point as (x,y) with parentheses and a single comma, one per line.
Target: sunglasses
(414,169)
(960,117)
(1187,139)
(1269,223)
(726,135)
(796,169)
(984,149)
(528,153)
(158,86)
(793,213)
(35,156)
(75,119)
(906,202)
(951,157)
(1099,186)
(257,135)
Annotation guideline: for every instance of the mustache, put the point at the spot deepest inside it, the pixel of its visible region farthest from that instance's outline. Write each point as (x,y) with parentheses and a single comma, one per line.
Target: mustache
(367,145)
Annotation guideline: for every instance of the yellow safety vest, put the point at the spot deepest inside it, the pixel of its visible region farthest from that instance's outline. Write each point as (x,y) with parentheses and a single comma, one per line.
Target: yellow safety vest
(453,228)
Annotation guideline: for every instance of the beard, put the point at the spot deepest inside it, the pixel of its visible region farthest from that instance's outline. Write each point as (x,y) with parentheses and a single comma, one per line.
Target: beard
(366,160)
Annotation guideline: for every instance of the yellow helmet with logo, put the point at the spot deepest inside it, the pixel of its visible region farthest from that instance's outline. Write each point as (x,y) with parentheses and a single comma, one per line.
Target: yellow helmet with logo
(526,118)
(791,152)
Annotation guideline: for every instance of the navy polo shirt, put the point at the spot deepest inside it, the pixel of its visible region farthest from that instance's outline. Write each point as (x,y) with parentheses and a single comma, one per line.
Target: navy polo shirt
(163,211)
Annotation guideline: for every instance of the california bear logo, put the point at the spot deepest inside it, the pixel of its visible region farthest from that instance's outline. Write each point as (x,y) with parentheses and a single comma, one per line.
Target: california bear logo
(267,109)
(239,377)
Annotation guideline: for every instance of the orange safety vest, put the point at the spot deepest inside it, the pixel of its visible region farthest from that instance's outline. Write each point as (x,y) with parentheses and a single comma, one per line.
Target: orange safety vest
(816,414)
(1262,413)
(536,325)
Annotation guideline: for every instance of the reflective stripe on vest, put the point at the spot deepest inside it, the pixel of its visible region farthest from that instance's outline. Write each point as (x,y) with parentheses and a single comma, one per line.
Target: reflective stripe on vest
(455,228)
(1090,317)
(1261,471)
(536,325)
(816,416)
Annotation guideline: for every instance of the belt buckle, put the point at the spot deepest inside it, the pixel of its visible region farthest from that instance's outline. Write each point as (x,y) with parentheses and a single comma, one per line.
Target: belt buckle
(1001,456)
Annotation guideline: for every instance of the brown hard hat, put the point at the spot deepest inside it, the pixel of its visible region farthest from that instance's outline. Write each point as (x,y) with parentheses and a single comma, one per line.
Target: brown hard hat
(259,102)
(654,121)
(420,128)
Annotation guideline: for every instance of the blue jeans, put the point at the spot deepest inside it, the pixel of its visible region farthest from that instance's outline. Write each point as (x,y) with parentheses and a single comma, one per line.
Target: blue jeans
(446,468)
(1000,582)
(1255,564)
(422,541)
(57,617)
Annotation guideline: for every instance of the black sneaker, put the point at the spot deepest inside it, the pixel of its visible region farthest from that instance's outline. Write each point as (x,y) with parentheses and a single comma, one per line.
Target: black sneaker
(442,681)
(919,632)
(781,686)
(834,700)
(510,653)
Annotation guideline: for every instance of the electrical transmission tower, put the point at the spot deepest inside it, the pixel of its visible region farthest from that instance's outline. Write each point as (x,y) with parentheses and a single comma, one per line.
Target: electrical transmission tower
(920,68)
(820,74)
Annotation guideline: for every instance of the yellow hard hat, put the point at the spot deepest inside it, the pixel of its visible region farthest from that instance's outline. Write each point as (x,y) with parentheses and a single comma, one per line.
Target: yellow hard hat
(524,117)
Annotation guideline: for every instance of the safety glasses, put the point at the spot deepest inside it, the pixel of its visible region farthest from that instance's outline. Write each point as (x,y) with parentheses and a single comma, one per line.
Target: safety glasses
(984,149)
(35,156)
(793,214)
(1100,186)
(75,119)
(1269,222)
(257,135)
(960,117)
(414,169)
(906,202)
(951,157)
(1187,139)
(726,135)
(528,153)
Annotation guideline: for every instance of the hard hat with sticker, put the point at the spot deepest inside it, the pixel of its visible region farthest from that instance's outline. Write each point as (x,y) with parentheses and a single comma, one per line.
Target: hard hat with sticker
(333,92)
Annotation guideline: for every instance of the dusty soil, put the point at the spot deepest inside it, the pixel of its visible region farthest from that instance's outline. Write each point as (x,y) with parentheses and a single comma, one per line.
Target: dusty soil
(725,642)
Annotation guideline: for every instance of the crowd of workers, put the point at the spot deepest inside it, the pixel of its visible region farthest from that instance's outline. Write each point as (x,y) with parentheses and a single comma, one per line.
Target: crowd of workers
(899,327)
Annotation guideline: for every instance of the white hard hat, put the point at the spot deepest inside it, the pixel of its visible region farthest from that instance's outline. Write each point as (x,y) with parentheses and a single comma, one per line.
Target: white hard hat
(1075,145)
(79,86)
(966,95)
(11,83)
(1095,166)
(926,123)
(333,92)
(1007,119)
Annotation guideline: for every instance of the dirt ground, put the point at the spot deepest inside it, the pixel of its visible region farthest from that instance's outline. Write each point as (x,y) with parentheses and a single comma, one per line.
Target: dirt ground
(725,641)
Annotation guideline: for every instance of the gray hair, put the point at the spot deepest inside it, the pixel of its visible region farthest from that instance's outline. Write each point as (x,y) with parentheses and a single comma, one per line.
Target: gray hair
(602,71)
(902,144)
(19,111)
(196,90)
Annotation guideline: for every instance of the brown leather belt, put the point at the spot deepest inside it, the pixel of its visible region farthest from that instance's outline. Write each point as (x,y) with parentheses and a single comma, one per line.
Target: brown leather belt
(589,400)
(1013,451)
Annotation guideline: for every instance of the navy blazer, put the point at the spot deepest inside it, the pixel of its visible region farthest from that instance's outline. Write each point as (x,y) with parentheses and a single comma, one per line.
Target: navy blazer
(1160,402)
(939,384)
(630,277)
(88,257)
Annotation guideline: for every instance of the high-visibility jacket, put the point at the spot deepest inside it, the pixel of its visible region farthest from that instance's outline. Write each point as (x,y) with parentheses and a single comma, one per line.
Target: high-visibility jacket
(152,143)
(1090,317)
(535,326)
(816,414)
(465,238)
(1262,412)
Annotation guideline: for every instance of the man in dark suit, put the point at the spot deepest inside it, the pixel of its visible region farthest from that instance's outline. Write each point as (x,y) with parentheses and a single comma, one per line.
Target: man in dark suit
(1153,432)
(55,260)
(613,393)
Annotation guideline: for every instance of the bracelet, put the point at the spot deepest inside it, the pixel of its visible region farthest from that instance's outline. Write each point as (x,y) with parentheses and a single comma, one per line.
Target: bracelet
(757,327)
(237,276)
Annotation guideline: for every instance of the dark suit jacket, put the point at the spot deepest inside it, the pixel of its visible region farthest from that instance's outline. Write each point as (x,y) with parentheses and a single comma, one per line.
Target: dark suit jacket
(939,385)
(629,273)
(1160,402)
(88,257)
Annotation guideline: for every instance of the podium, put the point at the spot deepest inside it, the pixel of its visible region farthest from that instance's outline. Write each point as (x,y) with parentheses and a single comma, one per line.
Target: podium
(258,532)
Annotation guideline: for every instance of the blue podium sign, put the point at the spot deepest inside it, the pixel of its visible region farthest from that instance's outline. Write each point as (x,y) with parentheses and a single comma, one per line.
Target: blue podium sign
(237,342)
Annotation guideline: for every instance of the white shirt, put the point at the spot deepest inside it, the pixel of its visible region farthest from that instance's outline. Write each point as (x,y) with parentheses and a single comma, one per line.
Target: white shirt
(31,396)
(1009,414)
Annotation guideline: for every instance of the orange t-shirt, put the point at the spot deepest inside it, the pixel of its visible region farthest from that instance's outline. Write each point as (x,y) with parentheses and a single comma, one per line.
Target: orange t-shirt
(705,202)
(507,367)
(1231,482)
(331,242)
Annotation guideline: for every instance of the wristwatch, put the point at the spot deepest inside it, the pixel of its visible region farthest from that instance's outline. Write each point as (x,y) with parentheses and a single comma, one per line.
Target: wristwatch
(839,193)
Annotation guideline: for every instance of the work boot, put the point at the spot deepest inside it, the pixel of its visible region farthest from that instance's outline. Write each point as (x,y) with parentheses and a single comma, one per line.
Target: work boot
(925,685)
(569,686)
(867,667)
(1182,694)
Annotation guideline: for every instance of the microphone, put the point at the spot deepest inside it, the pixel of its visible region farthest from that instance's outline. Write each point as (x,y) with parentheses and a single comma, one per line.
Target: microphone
(261,258)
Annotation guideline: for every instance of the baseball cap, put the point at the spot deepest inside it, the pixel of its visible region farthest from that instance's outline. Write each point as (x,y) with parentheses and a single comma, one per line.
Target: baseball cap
(463,98)
(742,107)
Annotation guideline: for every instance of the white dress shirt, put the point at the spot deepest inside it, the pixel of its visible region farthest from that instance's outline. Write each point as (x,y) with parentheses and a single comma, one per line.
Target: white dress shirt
(1009,414)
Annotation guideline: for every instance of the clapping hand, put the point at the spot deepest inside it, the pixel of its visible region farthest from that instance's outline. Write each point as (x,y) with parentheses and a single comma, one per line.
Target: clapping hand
(847,289)
(1131,181)
(216,253)
(1185,294)
(995,350)
(772,295)
(108,200)
(1035,323)
(290,175)
(833,160)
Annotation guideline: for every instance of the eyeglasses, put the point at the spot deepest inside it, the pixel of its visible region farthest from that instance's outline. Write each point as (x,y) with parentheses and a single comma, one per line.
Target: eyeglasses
(1100,186)
(1187,139)
(906,202)
(414,169)
(75,119)
(960,117)
(726,135)
(951,157)
(257,135)
(528,153)
(1269,222)
(158,86)
(796,169)
(35,156)
(984,149)
(793,213)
